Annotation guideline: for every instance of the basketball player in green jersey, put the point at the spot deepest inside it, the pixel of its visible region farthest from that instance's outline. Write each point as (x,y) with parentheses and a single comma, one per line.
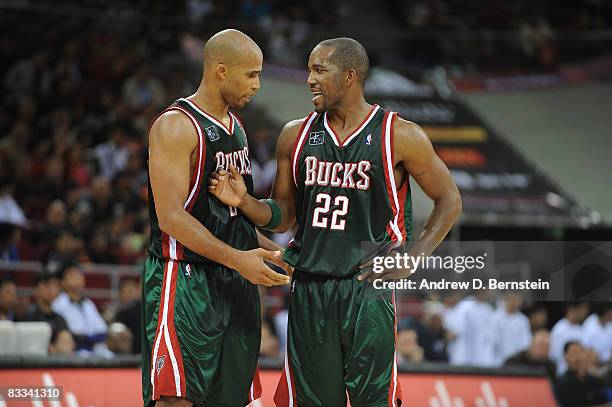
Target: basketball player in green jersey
(201,310)
(343,176)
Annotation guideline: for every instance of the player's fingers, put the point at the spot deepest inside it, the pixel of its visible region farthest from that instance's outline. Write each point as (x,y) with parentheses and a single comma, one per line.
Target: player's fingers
(366,264)
(276,257)
(221,172)
(281,279)
(212,181)
(234,171)
(366,274)
(212,188)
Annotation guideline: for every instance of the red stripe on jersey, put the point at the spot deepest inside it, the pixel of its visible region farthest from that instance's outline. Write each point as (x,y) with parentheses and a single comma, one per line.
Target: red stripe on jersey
(214,119)
(285,396)
(165,245)
(255,391)
(198,171)
(238,120)
(159,349)
(176,348)
(403,193)
(296,146)
(394,384)
(388,178)
(167,367)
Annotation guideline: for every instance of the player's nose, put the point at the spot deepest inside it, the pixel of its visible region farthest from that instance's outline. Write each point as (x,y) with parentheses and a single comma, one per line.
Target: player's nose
(311,80)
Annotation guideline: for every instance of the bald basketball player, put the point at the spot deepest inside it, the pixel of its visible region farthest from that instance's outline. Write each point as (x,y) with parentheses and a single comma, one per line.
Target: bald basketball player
(201,304)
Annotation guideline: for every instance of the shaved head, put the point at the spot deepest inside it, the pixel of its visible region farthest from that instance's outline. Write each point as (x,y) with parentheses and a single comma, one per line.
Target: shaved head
(229,47)
(232,64)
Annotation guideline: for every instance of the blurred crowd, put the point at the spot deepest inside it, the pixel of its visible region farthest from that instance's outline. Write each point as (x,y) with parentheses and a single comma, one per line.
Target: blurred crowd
(478,330)
(503,35)
(74,121)
(78,97)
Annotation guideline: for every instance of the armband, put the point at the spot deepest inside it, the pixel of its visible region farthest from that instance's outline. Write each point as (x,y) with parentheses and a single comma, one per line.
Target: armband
(275,220)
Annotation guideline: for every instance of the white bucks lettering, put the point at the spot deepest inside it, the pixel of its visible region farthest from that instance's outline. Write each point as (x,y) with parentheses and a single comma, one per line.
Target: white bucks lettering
(239,159)
(331,212)
(338,175)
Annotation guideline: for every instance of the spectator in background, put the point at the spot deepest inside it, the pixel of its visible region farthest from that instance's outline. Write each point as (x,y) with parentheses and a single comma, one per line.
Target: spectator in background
(597,332)
(536,355)
(8,298)
(430,331)
(408,349)
(12,218)
(83,319)
(62,343)
(511,328)
(143,89)
(567,329)
(577,387)
(46,290)
(113,154)
(118,342)
(269,343)
(128,313)
(538,317)
(475,342)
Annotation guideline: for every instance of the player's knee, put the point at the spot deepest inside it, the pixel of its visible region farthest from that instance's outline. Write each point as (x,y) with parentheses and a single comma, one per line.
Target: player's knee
(165,401)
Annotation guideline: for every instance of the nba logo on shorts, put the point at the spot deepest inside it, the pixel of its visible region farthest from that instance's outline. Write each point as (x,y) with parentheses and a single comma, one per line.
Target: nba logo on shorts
(212,133)
(159,363)
(316,138)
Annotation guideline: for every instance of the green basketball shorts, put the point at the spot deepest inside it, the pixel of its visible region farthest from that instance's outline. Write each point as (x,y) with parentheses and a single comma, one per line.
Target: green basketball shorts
(341,339)
(201,334)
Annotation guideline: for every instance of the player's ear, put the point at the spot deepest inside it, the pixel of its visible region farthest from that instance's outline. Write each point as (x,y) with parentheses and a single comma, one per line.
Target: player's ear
(351,76)
(221,70)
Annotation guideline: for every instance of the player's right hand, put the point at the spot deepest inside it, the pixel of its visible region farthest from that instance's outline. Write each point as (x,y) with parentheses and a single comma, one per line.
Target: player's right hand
(250,264)
(228,187)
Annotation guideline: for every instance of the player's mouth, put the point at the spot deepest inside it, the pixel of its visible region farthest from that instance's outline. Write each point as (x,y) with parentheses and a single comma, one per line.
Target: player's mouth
(316,95)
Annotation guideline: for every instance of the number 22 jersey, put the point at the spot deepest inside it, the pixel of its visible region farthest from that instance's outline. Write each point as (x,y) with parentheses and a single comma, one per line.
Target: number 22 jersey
(346,194)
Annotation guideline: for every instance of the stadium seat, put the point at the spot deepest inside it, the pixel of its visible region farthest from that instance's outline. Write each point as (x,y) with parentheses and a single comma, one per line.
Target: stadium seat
(9,338)
(33,338)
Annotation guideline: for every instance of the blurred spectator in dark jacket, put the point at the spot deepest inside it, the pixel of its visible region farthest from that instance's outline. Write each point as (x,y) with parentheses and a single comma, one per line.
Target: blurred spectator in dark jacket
(536,354)
(8,298)
(128,310)
(46,290)
(577,387)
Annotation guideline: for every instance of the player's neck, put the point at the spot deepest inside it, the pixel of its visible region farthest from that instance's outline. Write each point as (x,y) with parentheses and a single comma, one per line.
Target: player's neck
(349,113)
(211,102)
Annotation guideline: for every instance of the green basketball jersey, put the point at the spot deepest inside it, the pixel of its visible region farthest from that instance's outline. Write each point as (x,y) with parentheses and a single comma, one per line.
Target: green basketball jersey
(346,194)
(218,146)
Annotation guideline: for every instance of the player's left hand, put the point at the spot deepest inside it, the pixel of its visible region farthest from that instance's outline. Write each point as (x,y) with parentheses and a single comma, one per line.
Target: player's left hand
(228,187)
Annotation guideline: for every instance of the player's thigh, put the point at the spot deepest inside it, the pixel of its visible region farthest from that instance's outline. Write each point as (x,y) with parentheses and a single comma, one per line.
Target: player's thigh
(369,344)
(234,383)
(314,371)
(186,320)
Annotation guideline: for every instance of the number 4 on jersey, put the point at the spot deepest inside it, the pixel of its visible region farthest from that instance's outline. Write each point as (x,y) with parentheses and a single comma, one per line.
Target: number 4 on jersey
(319,220)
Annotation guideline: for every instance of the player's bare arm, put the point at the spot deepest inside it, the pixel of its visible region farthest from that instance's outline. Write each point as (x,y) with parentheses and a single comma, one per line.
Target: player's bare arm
(229,187)
(172,140)
(415,156)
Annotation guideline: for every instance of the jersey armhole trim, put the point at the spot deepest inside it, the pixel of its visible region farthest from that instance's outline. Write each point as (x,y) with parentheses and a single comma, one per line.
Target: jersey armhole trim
(299,144)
